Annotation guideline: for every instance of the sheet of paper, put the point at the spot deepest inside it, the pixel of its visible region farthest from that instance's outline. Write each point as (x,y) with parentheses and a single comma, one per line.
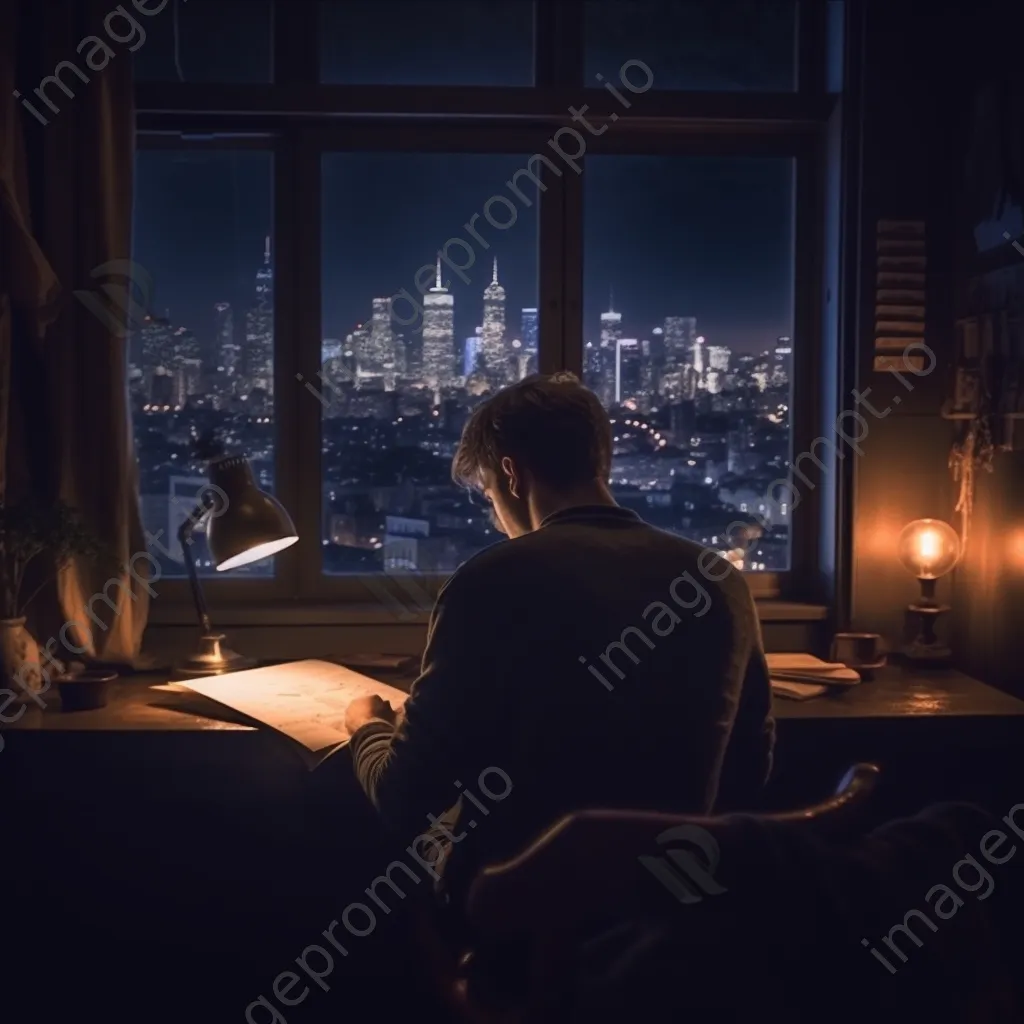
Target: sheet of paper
(797,691)
(798,662)
(798,667)
(305,700)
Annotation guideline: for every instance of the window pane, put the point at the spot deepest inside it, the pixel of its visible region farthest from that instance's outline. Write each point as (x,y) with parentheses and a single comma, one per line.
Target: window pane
(202,360)
(218,41)
(409,42)
(706,45)
(688,327)
(408,351)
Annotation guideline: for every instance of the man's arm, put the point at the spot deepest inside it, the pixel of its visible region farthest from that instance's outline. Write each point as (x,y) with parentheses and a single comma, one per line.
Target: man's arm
(750,752)
(409,769)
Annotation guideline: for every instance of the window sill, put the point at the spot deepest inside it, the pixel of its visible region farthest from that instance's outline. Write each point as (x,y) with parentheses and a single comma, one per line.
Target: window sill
(342,614)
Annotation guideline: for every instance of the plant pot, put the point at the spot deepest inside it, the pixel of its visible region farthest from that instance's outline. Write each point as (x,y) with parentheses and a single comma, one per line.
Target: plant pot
(20,668)
(85,690)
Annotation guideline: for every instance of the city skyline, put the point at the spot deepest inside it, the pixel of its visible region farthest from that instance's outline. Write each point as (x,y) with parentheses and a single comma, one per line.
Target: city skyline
(687,341)
(228,340)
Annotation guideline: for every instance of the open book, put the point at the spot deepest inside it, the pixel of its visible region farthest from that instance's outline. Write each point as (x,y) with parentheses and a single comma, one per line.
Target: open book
(304,700)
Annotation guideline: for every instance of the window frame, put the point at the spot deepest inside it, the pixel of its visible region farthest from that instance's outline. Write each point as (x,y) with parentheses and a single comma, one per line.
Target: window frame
(300,120)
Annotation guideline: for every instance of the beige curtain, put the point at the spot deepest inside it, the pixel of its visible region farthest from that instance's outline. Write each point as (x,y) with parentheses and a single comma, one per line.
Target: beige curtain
(65,210)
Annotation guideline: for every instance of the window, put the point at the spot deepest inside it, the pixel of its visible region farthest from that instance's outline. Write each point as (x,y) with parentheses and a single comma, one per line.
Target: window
(410,42)
(412,339)
(202,358)
(707,45)
(215,41)
(688,333)
(660,230)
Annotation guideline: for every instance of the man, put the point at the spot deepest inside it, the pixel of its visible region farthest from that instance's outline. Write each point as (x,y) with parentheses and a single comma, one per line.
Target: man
(590,661)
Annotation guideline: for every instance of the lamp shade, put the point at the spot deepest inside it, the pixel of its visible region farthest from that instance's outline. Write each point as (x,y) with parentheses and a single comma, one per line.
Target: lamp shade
(246,524)
(928,548)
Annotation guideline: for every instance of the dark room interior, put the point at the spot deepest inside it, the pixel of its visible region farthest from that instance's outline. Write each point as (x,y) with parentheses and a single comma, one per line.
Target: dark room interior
(612,410)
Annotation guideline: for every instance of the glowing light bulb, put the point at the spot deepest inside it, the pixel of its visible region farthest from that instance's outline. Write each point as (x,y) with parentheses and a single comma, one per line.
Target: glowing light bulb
(928,548)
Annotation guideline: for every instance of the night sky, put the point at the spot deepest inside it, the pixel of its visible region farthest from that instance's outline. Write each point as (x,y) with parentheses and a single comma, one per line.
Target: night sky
(671,236)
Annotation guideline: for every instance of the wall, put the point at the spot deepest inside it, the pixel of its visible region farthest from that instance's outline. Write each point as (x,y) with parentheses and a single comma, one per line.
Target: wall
(901,474)
(988,617)
(920,120)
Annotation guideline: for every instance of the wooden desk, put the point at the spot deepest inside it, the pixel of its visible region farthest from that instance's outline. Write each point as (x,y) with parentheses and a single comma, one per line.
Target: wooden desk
(921,724)
(895,695)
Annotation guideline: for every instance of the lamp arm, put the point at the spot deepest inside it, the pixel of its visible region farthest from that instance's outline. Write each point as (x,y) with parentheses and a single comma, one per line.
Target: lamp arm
(185,539)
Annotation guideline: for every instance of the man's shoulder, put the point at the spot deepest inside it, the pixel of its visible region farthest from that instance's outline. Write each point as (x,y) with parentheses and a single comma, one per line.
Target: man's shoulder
(487,564)
(524,556)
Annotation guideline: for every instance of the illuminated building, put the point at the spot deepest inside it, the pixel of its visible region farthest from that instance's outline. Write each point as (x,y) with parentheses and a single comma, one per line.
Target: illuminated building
(438,335)
(492,334)
(259,332)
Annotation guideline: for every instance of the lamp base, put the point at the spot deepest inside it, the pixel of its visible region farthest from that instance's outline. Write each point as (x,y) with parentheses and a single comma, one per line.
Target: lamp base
(212,658)
(927,656)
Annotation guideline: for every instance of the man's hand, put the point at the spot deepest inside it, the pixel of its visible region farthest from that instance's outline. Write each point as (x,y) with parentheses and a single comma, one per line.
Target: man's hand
(365,709)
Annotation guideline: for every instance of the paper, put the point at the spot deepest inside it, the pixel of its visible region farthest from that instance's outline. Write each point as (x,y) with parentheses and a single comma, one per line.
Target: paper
(797,667)
(797,691)
(798,662)
(305,700)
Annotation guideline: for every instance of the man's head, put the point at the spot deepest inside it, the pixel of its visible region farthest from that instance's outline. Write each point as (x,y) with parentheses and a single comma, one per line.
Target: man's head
(537,445)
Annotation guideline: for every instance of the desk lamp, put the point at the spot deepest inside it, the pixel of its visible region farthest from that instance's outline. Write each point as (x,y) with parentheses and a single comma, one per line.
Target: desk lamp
(243,525)
(928,548)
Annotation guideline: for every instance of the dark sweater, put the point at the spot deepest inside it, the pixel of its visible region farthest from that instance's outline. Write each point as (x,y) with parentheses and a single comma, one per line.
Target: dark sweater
(678,714)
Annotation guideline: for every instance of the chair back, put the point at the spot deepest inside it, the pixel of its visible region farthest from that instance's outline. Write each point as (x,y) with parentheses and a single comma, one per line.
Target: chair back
(590,863)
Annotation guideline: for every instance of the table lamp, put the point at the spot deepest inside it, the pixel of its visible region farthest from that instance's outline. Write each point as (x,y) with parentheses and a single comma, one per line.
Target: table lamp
(928,548)
(243,525)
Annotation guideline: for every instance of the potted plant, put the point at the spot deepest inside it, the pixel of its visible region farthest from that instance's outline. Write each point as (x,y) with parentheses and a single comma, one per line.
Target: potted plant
(27,530)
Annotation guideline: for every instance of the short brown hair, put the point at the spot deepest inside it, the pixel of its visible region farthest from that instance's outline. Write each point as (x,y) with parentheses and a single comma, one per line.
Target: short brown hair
(552,427)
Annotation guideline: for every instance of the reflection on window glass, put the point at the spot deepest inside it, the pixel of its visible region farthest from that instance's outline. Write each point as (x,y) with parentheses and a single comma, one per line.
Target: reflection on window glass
(202,356)
(688,342)
(417,42)
(706,45)
(206,41)
(412,343)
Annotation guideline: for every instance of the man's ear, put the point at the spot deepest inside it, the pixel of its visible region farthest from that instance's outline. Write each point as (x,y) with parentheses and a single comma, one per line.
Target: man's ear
(508,467)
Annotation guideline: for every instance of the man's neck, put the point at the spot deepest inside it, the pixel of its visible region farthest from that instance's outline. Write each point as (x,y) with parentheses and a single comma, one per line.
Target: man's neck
(546,503)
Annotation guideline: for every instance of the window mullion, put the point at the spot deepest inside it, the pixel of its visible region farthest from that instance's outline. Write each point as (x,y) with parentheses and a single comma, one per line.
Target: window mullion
(301,359)
(572,272)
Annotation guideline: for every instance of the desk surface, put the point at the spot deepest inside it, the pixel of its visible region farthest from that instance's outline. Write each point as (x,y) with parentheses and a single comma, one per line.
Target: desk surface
(136,707)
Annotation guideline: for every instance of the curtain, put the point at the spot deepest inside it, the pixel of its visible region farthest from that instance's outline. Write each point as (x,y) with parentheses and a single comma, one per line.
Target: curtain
(65,210)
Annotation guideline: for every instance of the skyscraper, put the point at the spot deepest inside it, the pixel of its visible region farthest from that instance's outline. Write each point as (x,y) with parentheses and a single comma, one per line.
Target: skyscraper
(700,360)
(603,374)
(259,331)
(718,358)
(470,355)
(782,363)
(492,334)
(229,352)
(528,331)
(379,346)
(627,369)
(438,335)
(680,332)
(156,344)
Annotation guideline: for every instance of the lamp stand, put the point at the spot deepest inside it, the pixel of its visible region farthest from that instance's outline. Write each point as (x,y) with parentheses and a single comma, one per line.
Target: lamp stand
(927,651)
(212,656)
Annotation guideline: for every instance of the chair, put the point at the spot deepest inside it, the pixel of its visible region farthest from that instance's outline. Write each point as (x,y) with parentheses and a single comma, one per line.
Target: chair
(551,891)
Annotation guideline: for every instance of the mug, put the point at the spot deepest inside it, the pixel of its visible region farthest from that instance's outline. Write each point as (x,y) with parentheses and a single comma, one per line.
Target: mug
(858,650)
